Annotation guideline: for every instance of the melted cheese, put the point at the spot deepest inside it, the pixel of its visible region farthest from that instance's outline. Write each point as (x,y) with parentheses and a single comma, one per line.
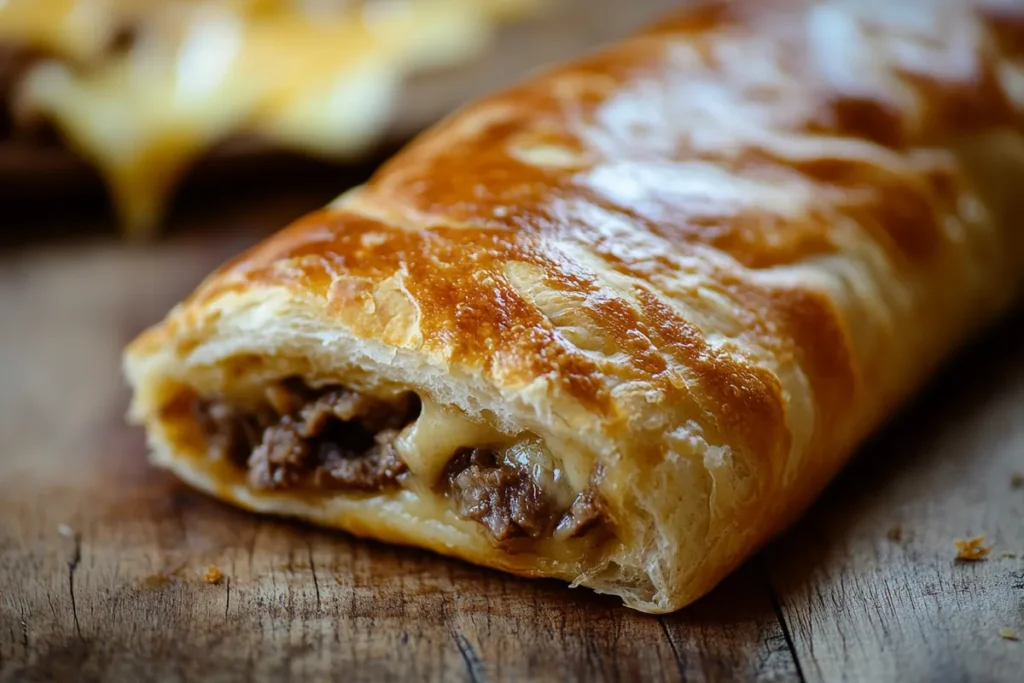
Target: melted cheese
(429,443)
(77,29)
(426,446)
(313,76)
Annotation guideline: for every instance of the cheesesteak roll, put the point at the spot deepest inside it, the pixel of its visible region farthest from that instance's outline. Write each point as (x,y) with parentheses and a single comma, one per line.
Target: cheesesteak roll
(621,323)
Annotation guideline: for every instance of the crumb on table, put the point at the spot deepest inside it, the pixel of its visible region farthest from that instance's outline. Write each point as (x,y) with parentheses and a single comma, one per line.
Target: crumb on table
(1008,634)
(895,534)
(1017,480)
(971,549)
(213,575)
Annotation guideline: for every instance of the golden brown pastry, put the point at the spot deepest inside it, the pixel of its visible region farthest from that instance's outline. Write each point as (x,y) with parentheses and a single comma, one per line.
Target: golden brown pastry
(621,323)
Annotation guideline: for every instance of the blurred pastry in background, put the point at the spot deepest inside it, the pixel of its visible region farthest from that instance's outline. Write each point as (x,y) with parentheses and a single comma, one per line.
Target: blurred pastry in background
(143,88)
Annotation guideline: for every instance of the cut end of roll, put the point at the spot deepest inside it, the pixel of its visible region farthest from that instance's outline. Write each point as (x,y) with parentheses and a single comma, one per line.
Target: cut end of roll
(358,450)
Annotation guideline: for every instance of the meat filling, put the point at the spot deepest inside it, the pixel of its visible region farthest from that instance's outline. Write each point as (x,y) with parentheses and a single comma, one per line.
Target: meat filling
(339,439)
(506,500)
(324,439)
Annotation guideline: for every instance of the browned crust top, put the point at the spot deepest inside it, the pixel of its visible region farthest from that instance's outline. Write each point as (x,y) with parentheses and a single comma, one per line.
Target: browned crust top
(682,163)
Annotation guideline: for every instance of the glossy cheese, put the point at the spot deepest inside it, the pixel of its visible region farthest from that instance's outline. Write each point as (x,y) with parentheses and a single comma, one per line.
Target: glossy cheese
(428,444)
(318,77)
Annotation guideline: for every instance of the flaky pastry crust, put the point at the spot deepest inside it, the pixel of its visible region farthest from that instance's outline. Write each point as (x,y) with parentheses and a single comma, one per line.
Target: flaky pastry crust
(701,265)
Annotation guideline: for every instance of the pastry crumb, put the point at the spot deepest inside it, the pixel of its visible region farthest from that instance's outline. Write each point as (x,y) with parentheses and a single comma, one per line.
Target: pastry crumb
(65,531)
(895,534)
(213,575)
(1011,556)
(1008,634)
(971,549)
(1017,480)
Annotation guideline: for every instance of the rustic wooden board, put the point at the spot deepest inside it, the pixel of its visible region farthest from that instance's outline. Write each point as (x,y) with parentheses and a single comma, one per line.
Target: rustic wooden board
(867,583)
(101,557)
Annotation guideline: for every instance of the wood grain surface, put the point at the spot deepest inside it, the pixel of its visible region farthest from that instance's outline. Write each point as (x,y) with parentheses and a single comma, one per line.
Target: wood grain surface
(102,558)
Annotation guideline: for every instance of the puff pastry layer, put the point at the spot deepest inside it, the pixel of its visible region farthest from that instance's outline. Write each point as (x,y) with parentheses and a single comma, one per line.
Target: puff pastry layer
(621,323)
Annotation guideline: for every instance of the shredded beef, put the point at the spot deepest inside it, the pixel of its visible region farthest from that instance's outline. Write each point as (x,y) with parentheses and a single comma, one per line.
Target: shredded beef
(506,499)
(375,469)
(231,435)
(332,438)
(281,459)
(587,511)
(503,498)
(337,438)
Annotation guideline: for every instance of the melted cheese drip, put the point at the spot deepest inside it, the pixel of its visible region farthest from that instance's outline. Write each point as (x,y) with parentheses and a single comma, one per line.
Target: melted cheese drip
(427,445)
(313,76)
